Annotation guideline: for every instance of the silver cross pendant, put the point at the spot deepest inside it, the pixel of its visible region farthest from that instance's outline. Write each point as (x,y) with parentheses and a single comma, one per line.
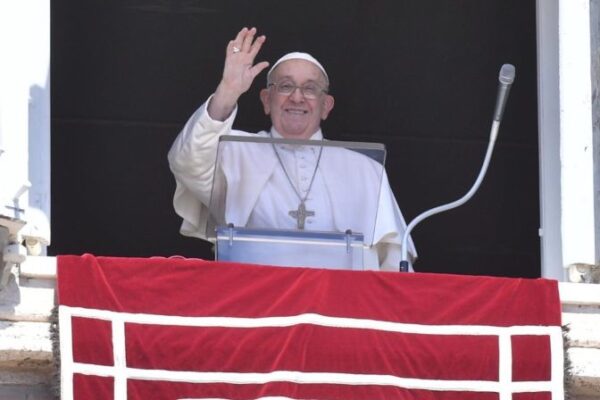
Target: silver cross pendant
(300,214)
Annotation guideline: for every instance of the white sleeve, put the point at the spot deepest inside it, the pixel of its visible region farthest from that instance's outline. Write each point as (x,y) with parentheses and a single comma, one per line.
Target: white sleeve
(192,161)
(389,231)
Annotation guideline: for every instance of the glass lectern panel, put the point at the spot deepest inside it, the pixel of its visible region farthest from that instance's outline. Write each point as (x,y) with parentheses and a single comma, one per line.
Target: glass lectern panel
(300,194)
(290,248)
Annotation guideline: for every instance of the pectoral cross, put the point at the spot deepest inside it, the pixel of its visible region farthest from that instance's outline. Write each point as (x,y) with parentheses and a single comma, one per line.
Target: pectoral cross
(300,214)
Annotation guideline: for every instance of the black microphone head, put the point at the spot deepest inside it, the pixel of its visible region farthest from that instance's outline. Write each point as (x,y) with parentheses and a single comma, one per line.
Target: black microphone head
(507,74)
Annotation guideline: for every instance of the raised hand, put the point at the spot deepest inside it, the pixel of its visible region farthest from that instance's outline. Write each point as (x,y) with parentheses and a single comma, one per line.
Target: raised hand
(238,73)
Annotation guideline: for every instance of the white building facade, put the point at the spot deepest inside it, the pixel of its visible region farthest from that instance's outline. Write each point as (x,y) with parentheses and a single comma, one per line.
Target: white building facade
(24,129)
(569,135)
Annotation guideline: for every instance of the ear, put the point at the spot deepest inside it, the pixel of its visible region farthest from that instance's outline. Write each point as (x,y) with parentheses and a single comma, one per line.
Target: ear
(328,103)
(265,97)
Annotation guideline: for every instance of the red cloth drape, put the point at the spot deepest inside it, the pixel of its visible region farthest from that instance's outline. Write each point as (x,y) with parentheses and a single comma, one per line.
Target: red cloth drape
(377,332)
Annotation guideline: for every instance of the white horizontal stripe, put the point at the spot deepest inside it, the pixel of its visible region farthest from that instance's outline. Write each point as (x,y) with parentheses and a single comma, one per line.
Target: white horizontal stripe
(314,319)
(312,378)
(258,398)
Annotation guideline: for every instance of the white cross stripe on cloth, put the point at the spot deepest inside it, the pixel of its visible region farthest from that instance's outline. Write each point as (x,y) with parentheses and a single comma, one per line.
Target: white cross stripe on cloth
(505,387)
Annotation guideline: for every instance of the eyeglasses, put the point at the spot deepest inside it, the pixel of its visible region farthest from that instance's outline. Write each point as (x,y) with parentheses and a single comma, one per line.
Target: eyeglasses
(309,90)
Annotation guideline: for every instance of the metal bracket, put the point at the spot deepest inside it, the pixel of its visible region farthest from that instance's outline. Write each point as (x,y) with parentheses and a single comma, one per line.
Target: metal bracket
(230,226)
(348,241)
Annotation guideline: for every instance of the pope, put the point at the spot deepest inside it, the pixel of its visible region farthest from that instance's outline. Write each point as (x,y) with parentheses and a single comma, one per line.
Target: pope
(297,187)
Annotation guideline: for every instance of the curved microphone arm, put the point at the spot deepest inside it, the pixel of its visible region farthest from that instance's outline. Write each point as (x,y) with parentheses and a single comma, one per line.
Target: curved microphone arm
(454,204)
(505,78)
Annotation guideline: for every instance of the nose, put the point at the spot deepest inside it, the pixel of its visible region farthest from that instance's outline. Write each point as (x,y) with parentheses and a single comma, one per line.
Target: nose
(297,95)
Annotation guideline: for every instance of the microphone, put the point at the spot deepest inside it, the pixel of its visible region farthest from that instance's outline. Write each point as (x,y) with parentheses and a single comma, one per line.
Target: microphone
(505,78)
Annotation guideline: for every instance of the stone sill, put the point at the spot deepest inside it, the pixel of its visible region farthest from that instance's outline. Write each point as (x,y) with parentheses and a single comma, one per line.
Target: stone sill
(580,294)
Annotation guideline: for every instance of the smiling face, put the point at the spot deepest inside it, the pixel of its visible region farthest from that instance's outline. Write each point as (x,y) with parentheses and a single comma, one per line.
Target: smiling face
(293,115)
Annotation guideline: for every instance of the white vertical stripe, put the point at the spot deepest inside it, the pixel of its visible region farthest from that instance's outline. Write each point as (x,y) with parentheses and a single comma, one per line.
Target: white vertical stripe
(557,362)
(505,365)
(118,342)
(66,353)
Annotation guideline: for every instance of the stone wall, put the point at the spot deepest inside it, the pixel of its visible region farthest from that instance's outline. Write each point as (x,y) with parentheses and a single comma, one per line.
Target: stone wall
(26,363)
(581,313)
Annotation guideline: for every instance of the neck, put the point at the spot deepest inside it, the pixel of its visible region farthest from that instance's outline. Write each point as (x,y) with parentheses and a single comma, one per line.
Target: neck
(318,135)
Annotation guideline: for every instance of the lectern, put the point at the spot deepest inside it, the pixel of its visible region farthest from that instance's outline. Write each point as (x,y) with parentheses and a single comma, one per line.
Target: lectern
(285,202)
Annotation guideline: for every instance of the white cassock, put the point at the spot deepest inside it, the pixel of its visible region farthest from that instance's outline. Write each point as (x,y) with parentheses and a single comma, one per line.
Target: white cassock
(341,197)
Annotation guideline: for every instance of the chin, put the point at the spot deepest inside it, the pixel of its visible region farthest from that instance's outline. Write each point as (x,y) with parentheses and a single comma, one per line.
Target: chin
(292,133)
